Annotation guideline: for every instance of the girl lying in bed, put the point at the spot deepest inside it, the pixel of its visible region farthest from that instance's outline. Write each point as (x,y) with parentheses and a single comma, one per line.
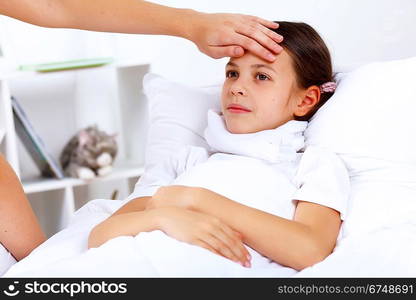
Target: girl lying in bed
(261,202)
(258,191)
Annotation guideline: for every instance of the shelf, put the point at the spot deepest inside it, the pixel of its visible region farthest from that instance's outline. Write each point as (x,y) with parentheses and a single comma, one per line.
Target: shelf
(68,65)
(41,184)
(16,73)
(109,95)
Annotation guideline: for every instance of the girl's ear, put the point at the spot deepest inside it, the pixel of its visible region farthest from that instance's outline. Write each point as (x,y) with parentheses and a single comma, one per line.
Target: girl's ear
(308,99)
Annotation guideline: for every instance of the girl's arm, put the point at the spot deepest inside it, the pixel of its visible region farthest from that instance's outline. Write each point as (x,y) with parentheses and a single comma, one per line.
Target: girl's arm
(184,225)
(307,239)
(126,221)
(297,243)
(130,219)
(20,231)
(217,35)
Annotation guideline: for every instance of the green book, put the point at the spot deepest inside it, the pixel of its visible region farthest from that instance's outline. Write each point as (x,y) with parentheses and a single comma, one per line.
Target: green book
(68,65)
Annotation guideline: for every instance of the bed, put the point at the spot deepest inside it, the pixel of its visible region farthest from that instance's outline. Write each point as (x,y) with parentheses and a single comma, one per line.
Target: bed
(368,123)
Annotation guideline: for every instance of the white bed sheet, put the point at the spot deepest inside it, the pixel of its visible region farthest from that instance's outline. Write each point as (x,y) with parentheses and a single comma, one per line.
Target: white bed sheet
(387,251)
(6,260)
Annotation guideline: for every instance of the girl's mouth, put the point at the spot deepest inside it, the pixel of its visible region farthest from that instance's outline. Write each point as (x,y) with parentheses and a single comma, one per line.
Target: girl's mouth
(236,108)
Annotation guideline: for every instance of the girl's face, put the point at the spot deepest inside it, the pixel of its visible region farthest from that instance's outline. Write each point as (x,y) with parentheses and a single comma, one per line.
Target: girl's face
(258,95)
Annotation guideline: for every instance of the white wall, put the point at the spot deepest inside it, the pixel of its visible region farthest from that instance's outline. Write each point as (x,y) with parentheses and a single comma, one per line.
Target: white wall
(357,31)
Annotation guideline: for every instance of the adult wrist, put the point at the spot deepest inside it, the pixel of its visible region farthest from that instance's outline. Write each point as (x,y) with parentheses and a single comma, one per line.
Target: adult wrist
(188,27)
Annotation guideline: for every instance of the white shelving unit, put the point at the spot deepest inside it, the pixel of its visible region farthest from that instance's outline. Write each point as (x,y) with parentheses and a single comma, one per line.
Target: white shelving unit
(58,104)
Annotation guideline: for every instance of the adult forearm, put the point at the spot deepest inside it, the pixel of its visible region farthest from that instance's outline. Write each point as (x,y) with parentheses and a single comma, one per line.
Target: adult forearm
(285,241)
(125,16)
(127,224)
(20,231)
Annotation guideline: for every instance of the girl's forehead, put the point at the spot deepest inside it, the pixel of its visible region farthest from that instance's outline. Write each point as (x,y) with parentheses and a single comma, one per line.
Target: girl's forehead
(282,62)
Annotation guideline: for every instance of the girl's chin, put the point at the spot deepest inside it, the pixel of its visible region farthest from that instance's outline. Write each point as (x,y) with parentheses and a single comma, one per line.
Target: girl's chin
(238,125)
(232,128)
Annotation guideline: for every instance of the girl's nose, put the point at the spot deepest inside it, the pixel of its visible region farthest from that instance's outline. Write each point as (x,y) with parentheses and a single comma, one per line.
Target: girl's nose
(238,90)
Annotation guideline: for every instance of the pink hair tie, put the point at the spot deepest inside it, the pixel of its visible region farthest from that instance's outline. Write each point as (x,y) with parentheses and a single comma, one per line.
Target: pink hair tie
(328,87)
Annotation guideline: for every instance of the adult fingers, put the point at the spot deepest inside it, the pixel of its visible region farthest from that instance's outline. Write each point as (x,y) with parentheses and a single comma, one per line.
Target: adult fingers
(225,51)
(273,35)
(254,47)
(265,26)
(262,35)
(265,22)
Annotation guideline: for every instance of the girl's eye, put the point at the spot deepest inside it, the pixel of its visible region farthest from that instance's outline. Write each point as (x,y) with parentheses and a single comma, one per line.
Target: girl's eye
(231,74)
(262,77)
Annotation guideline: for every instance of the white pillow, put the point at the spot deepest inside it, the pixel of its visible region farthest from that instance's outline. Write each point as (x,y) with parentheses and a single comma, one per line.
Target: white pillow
(371,113)
(177,115)
(369,122)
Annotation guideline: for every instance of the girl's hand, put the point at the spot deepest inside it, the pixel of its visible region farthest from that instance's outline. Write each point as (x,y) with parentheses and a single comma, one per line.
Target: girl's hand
(173,195)
(203,230)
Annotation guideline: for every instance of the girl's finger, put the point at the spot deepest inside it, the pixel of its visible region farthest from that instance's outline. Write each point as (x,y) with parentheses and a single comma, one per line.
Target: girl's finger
(220,247)
(205,245)
(232,243)
(235,240)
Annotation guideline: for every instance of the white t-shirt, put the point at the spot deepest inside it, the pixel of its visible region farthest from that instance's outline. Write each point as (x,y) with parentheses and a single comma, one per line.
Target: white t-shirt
(265,170)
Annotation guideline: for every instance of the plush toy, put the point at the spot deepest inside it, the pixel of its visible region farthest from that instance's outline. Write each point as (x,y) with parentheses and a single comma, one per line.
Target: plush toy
(89,153)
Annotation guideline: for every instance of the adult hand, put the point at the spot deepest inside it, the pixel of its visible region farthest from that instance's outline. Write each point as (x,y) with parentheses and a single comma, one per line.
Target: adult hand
(205,231)
(220,34)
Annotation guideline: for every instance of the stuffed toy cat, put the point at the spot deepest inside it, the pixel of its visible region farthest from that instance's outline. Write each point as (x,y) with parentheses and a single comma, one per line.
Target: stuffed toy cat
(89,153)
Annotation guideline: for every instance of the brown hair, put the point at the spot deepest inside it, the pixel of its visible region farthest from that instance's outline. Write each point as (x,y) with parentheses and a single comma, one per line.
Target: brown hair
(310,56)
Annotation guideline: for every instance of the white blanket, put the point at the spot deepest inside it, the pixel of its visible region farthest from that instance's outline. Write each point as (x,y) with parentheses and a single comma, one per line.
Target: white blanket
(6,260)
(151,254)
(384,252)
(388,251)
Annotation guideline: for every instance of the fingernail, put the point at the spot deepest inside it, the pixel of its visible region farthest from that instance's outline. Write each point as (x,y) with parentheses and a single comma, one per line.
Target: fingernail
(238,51)
(279,49)
(247,264)
(271,57)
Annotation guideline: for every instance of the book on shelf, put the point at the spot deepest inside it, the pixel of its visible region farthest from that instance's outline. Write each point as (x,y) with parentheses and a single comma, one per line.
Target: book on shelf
(48,166)
(2,134)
